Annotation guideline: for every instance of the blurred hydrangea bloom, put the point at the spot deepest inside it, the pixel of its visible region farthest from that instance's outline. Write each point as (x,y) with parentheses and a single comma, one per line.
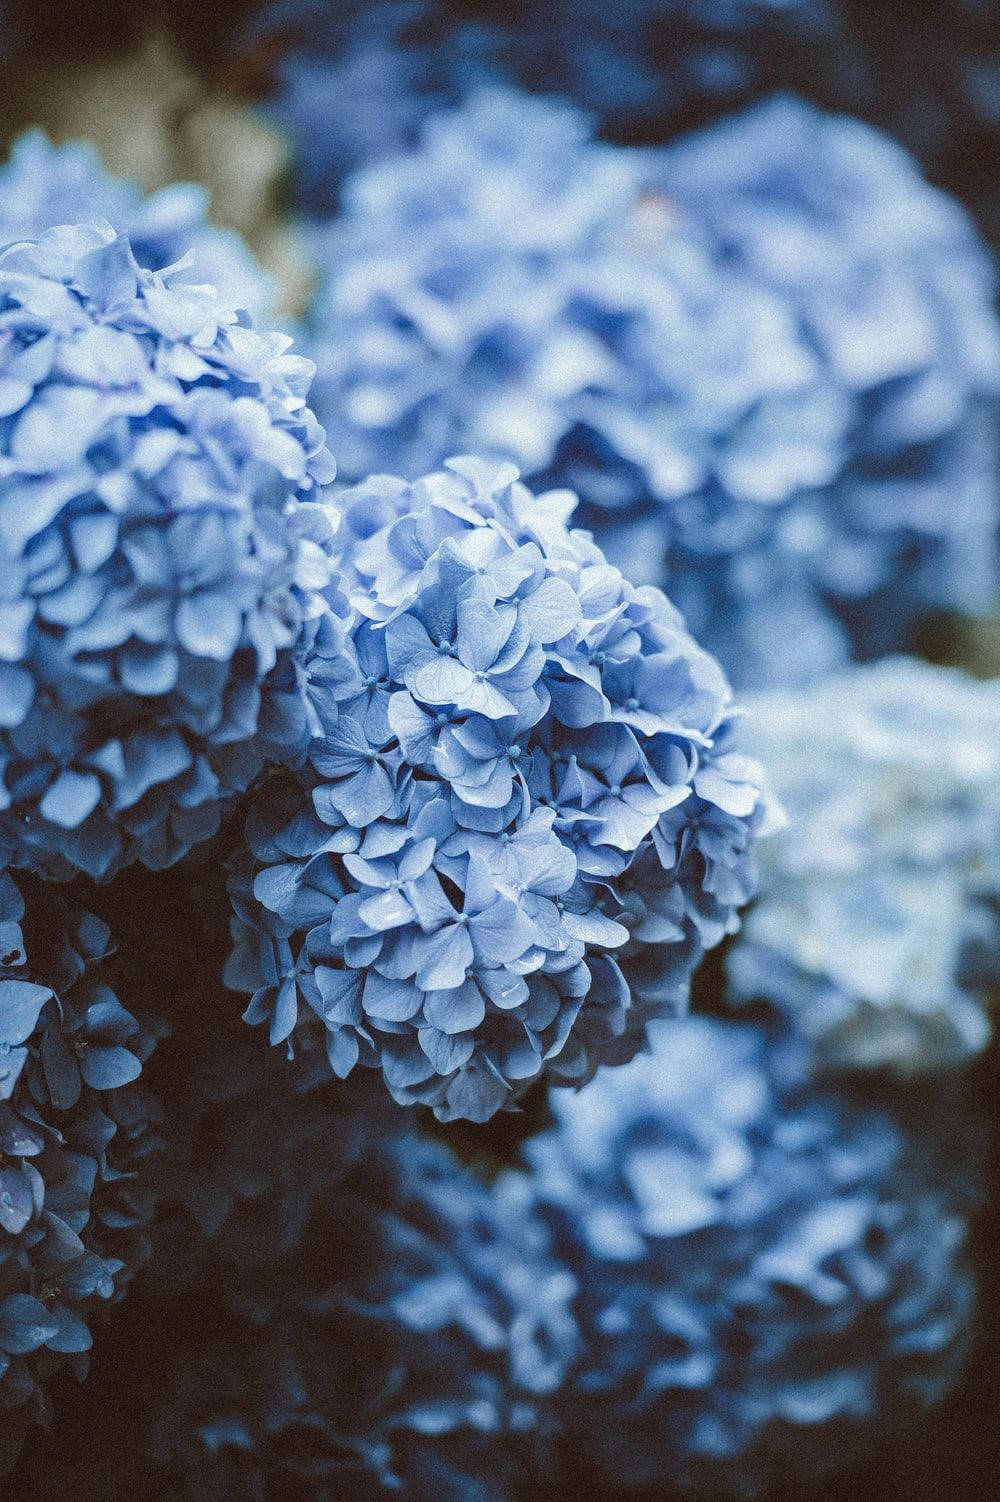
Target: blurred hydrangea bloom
(878,924)
(158,562)
(43,186)
(349,83)
(409,1352)
(781,407)
(767,1279)
(888,280)
(77,1142)
(352,83)
(522,825)
(357,1320)
(649,68)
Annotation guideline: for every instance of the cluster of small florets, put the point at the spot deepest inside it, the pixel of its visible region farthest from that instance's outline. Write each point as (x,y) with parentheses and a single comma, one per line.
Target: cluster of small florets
(158,563)
(44,185)
(523,827)
(368,1324)
(77,1140)
(771,437)
(877,927)
(768,1282)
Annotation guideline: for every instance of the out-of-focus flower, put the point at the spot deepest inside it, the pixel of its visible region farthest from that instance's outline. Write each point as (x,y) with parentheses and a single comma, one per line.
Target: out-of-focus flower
(877,928)
(353,1317)
(352,83)
(77,1141)
(158,562)
(768,1280)
(348,84)
(887,279)
(779,403)
(43,186)
(524,777)
(156,124)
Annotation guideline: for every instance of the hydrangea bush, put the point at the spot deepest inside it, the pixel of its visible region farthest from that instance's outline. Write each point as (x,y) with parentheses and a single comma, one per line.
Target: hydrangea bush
(43,186)
(767,357)
(522,825)
(158,552)
(78,1148)
(769,1282)
(457,778)
(877,928)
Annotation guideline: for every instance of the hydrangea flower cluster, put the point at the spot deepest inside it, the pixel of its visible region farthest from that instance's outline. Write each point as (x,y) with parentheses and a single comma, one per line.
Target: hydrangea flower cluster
(356,1320)
(43,186)
(352,84)
(78,1142)
(888,280)
(877,928)
(159,559)
(767,1281)
(778,441)
(524,825)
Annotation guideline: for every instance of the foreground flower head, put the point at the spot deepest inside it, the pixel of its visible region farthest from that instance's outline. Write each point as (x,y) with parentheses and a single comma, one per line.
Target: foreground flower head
(522,825)
(797,444)
(43,185)
(769,1280)
(77,1141)
(877,928)
(158,563)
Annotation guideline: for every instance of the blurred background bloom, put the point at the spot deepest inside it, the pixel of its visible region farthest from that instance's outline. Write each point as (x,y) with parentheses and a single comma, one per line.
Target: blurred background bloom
(766,358)
(876,931)
(768,1280)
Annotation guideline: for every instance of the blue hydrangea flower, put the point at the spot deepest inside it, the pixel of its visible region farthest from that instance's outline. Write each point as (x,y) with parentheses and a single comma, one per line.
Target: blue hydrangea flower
(888,279)
(523,823)
(877,928)
(777,398)
(768,1280)
(158,560)
(352,1316)
(77,1147)
(43,186)
(352,83)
